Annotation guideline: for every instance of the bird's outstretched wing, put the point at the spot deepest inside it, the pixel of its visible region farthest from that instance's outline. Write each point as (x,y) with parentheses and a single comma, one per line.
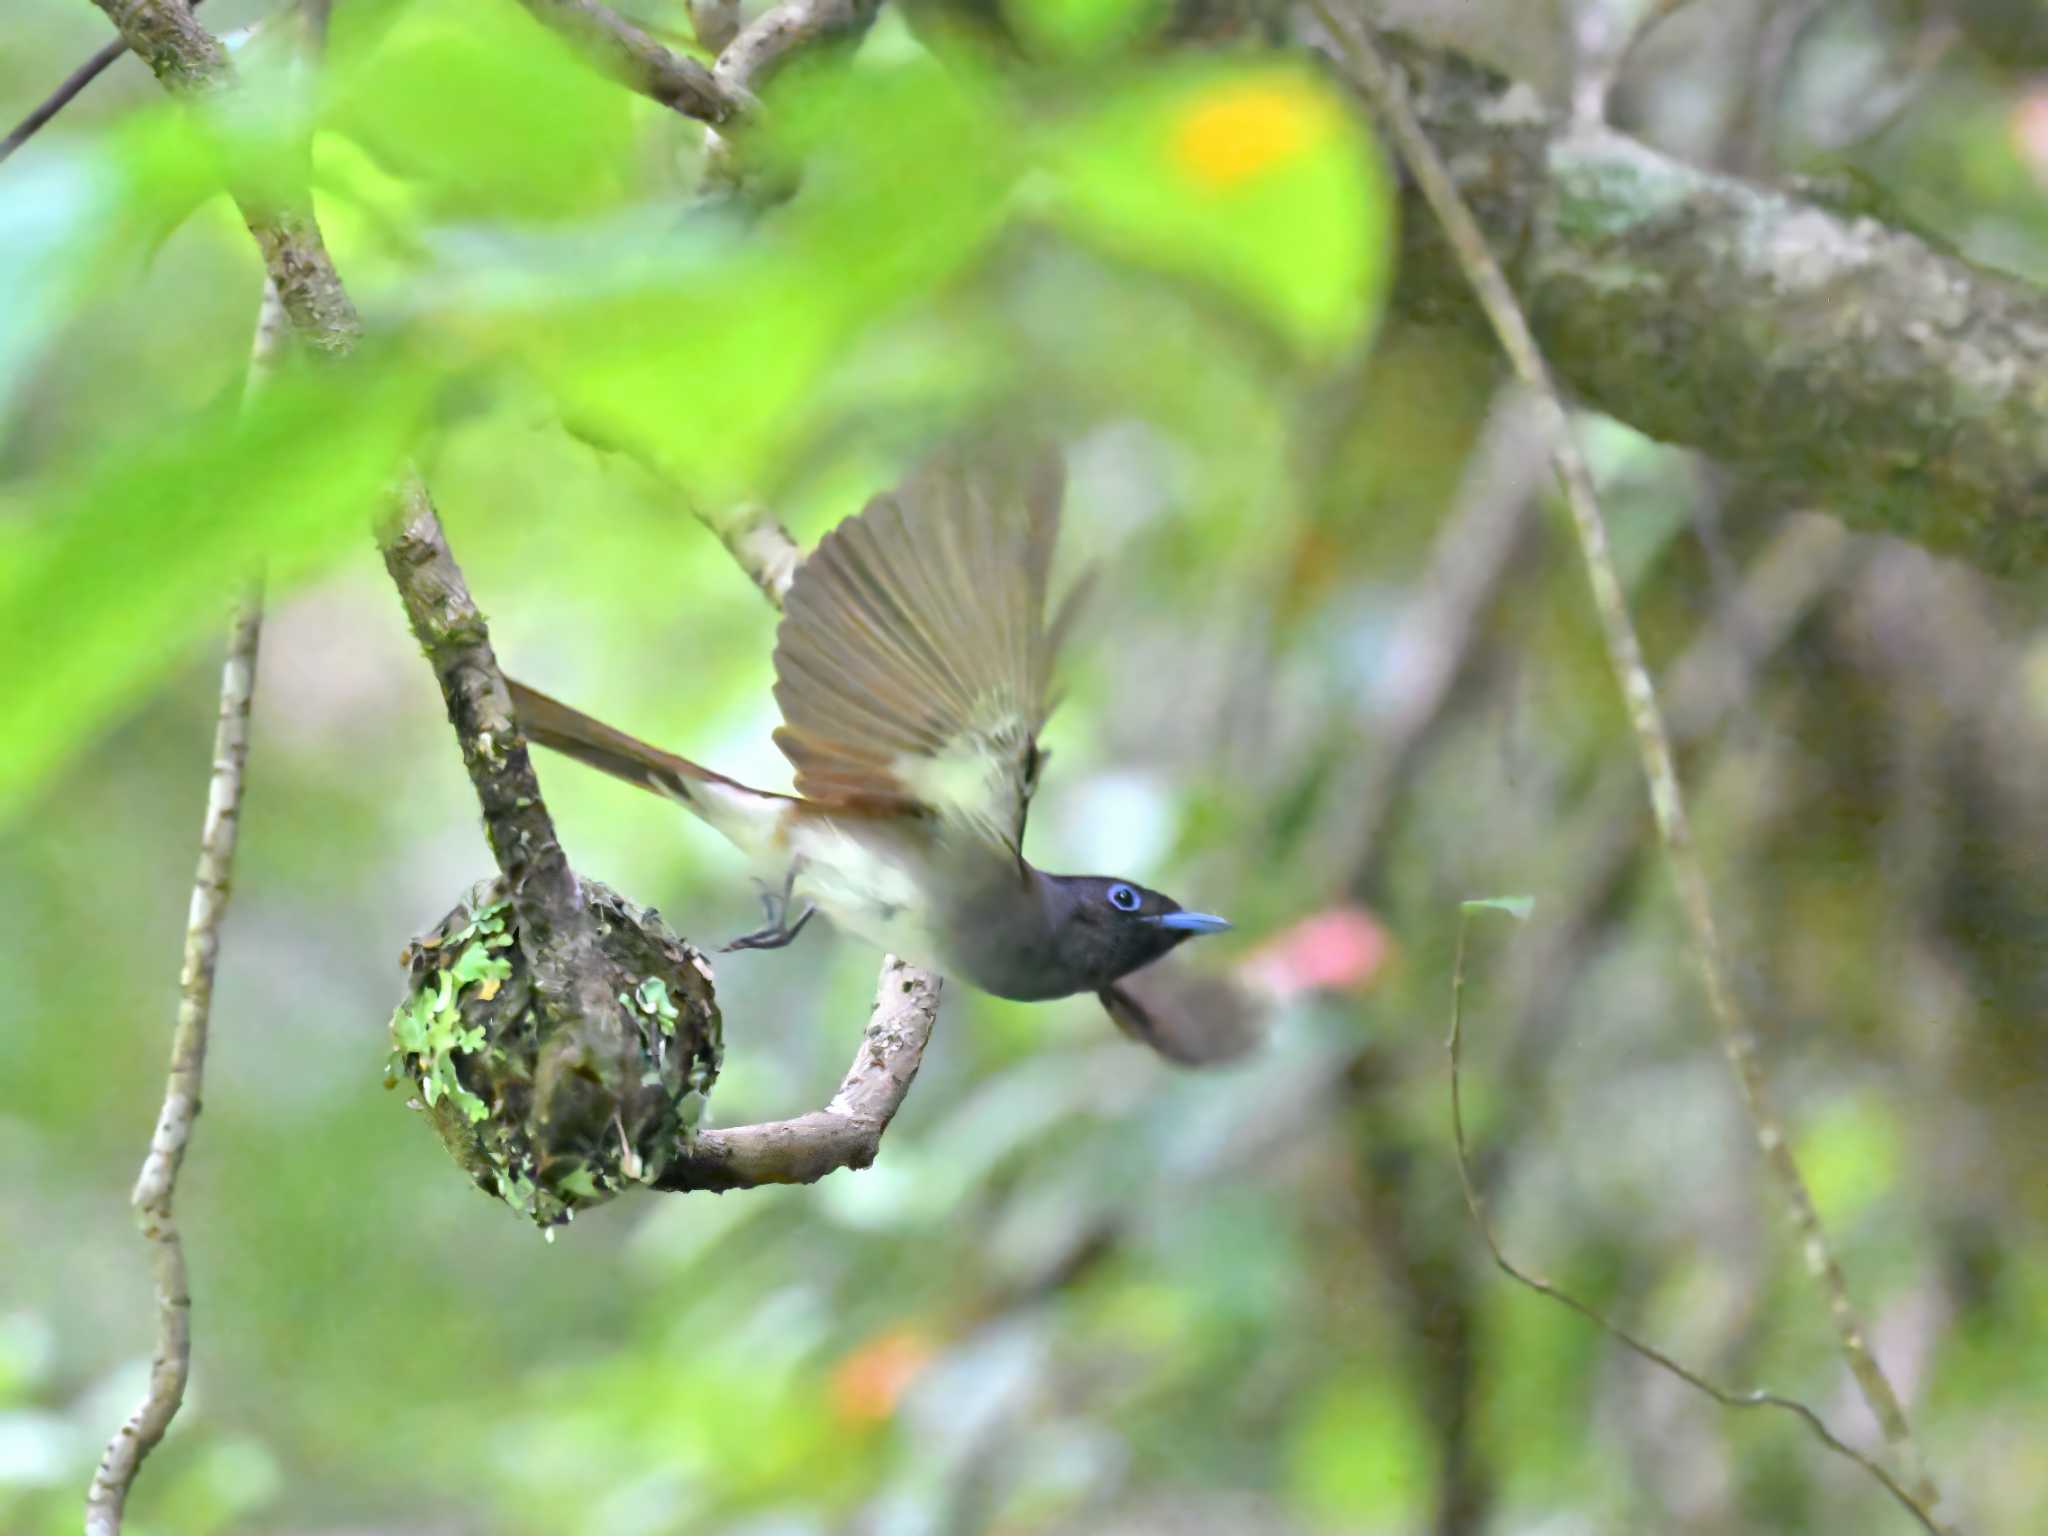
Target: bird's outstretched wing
(914,658)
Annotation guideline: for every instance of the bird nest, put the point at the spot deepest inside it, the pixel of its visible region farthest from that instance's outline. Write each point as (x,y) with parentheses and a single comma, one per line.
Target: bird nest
(555,1103)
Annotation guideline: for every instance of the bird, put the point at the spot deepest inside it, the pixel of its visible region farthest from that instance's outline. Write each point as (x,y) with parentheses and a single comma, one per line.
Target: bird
(913,671)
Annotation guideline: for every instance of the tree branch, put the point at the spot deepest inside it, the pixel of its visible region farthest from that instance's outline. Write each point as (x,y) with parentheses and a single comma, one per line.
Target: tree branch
(457,644)
(1475,260)
(194,67)
(759,545)
(748,62)
(633,58)
(1834,358)
(847,1132)
(192,64)
(157,1185)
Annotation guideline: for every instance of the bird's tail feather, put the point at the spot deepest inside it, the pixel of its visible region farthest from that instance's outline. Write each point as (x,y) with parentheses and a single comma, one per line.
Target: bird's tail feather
(554,725)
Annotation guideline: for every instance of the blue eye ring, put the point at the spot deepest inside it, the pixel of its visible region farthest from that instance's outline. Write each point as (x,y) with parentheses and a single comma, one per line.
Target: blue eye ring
(1125,898)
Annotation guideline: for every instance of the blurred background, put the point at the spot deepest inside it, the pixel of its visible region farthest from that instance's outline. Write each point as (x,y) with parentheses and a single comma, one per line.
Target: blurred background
(1339,674)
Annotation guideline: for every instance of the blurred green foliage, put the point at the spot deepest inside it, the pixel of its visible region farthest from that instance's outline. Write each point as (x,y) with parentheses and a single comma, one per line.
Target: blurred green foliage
(1079,1291)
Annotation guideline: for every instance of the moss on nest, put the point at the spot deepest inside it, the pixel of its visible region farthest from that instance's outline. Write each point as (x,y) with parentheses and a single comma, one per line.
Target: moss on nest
(554,1108)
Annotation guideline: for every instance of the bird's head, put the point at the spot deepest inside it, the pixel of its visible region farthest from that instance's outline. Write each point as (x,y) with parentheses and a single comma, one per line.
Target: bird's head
(1112,927)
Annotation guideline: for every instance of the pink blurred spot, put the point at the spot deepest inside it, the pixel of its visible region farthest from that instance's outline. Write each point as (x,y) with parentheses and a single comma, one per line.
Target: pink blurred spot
(2029,129)
(1340,949)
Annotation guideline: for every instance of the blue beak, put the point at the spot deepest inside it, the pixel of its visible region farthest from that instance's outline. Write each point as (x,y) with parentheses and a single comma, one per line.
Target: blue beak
(1190,922)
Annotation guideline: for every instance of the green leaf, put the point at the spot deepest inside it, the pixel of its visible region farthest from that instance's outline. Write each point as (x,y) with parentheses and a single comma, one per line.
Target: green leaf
(654,1001)
(409,1025)
(701,349)
(1517,907)
(578,1182)
(82,218)
(476,963)
(1261,181)
(474,111)
(121,563)
(1082,29)
(1359,1456)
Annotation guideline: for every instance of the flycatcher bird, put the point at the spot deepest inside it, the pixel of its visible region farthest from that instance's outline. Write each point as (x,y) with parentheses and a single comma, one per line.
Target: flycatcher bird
(912,668)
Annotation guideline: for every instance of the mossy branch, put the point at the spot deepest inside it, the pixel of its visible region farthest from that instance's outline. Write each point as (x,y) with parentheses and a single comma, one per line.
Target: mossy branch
(1833,356)
(555,931)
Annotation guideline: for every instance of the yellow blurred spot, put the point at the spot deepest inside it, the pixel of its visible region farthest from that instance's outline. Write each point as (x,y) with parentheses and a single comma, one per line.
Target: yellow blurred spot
(1247,129)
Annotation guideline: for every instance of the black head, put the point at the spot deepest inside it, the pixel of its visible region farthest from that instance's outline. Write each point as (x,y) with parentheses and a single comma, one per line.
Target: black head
(1109,928)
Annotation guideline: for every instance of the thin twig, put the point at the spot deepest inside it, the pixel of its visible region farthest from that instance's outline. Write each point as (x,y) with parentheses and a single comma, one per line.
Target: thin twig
(1727,1399)
(156,1188)
(124,1455)
(1652,741)
(63,95)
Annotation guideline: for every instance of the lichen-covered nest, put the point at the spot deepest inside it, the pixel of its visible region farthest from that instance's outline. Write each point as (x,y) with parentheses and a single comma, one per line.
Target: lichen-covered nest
(555,1105)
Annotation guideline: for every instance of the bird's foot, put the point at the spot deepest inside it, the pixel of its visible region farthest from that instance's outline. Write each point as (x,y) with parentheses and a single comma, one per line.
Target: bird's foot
(778,931)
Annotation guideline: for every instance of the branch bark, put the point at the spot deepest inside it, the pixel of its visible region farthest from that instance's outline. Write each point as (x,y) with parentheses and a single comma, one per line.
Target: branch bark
(156,1188)
(759,545)
(1834,358)
(553,929)
(747,63)
(630,56)
(194,67)
(847,1132)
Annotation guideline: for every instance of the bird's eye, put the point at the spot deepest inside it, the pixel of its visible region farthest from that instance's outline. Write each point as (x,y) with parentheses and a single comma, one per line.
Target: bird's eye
(1124,898)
